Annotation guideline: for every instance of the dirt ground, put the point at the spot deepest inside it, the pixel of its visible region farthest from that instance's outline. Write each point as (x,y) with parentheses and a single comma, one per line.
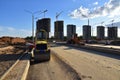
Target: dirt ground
(55,69)
(91,65)
(11,40)
(8,56)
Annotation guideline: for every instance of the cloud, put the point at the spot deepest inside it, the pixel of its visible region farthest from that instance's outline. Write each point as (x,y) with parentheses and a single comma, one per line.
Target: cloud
(11,31)
(10,28)
(1,28)
(109,9)
(80,13)
(95,3)
(79,30)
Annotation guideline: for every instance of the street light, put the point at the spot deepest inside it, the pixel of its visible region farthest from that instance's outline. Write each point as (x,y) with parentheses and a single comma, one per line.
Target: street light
(32,21)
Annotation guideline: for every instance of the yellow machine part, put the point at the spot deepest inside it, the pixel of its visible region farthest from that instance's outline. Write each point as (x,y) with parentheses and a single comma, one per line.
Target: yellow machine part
(41,42)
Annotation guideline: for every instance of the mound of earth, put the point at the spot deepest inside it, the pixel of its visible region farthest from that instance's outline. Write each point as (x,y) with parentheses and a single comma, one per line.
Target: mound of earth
(11,40)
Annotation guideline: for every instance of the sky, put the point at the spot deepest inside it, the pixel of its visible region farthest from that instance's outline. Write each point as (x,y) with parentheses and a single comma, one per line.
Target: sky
(16,22)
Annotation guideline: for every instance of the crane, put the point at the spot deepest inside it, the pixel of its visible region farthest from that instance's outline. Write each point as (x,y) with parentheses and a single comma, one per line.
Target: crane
(112,22)
(41,13)
(102,23)
(57,15)
(45,12)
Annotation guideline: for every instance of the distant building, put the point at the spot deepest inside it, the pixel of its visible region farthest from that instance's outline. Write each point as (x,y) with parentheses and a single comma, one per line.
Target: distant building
(45,24)
(58,33)
(86,32)
(100,32)
(71,30)
(112,33)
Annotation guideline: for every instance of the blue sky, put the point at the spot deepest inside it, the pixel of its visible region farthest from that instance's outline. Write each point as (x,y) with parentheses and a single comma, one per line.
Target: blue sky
(14,21)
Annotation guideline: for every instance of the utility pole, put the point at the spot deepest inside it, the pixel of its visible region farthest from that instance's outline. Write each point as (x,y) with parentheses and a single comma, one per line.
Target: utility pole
(32,13)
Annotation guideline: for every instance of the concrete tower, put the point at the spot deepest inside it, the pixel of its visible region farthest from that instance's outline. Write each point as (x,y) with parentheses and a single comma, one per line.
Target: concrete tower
(71,30)
(100,32)
(59,28)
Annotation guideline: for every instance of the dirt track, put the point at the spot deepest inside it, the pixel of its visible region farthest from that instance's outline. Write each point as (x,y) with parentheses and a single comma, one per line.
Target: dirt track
(91,65)
(55,69)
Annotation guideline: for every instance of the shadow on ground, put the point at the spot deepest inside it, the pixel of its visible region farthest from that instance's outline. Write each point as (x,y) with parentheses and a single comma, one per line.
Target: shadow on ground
(13,57)
(32,62)
(115,56)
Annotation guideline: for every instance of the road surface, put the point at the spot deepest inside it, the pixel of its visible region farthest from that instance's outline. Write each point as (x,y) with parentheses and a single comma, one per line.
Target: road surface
(106,46)
(90,65)
(54,69)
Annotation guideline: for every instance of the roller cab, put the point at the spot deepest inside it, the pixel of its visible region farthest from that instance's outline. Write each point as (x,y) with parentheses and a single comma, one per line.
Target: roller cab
(41,51)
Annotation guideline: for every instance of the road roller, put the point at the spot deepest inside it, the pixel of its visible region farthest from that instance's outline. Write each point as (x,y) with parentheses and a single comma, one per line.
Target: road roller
(41,51)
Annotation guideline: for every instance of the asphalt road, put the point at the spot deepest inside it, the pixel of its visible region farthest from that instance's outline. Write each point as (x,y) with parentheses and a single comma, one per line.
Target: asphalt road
(91,65)
(55,69)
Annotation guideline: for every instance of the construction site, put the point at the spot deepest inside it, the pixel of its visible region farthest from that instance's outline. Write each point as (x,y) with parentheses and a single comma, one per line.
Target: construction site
(40,58)
(57,48)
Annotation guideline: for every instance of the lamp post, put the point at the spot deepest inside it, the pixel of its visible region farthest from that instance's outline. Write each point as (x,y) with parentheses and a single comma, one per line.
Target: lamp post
(32,13)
